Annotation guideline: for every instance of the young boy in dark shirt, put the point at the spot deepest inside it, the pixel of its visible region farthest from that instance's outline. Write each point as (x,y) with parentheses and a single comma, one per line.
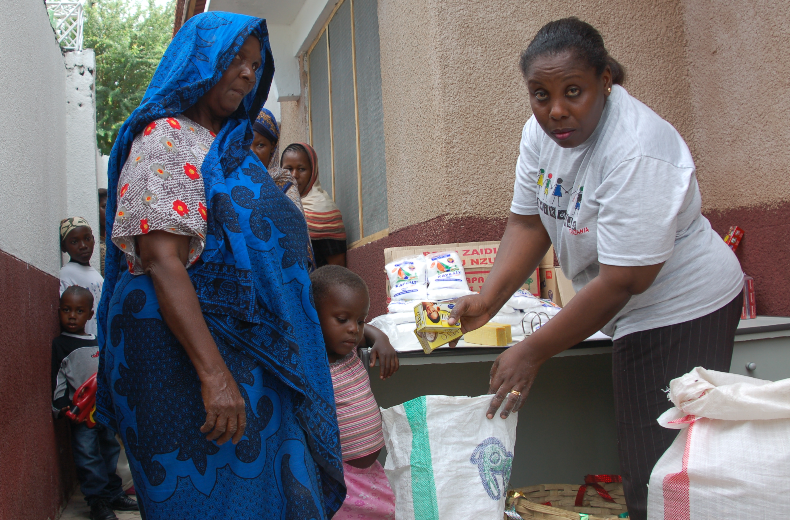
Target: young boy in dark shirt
(75,358)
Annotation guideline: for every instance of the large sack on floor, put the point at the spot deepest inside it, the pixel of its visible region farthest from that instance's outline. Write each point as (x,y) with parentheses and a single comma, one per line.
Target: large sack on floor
(731,458)
(445,460)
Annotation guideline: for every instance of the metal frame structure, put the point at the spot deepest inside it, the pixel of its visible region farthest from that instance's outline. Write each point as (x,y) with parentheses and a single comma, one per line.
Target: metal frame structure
(384,232)
(67,19)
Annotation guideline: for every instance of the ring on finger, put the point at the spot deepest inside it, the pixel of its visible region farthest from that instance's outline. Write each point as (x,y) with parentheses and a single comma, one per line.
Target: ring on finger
(515,393)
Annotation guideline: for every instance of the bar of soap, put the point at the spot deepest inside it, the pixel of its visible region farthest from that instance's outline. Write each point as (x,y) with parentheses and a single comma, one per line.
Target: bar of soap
(494,334)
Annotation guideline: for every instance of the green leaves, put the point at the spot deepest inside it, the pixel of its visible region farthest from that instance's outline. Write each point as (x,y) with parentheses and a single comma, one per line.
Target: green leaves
(129,39)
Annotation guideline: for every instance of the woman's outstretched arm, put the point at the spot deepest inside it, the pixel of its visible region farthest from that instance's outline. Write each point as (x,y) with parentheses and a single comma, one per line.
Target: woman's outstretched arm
(523,245)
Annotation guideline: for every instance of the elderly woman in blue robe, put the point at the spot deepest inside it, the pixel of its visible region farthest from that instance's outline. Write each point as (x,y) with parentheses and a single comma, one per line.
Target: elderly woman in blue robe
(208,331)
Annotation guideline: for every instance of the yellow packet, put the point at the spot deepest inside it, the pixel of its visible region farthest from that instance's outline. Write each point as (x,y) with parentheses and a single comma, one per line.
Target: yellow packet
(432,330)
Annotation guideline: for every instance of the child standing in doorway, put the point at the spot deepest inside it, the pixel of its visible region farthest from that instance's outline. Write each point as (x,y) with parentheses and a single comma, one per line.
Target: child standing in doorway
(342,301)
(75,359)
(76,239)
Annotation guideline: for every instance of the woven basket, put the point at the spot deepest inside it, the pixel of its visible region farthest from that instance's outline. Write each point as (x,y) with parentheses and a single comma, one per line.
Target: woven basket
(558,501)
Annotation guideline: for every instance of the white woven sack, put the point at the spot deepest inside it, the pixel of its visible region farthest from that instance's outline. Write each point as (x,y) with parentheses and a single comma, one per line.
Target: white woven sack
(446,461)
(731,458)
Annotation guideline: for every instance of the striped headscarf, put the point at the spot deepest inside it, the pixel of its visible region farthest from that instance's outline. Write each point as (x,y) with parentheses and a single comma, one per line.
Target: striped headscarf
(324,220)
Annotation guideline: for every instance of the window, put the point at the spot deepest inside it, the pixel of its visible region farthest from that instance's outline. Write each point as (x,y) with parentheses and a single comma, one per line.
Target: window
(346,117)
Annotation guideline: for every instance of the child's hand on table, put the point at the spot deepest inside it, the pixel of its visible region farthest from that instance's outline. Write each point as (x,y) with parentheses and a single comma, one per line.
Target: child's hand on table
(381,349)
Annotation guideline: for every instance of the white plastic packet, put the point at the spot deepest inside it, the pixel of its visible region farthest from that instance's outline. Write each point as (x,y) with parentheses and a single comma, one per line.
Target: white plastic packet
(401,336)
(400,318)
(445,271)
(445,460)
(399,306)
(731,457)
(524,301)
(437,295)
(407,278)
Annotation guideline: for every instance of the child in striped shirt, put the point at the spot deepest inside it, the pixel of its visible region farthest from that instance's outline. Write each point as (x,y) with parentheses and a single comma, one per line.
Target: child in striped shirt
(342,301)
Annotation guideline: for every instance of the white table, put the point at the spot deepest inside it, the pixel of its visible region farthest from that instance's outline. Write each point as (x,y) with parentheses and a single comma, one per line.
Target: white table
(763,342)
(567,425)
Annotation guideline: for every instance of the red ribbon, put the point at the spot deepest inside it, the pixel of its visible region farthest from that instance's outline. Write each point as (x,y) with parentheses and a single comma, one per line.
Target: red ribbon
(593,480)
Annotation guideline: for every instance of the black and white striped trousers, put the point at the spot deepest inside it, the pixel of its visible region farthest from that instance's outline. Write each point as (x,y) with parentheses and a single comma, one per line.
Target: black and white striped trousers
(643,364)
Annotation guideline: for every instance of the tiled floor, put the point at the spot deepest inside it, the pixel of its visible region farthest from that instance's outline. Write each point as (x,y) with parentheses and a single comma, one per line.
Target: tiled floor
(79,510)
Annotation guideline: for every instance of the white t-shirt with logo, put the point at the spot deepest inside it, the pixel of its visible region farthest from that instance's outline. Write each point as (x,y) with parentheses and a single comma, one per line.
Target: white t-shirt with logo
(628,196)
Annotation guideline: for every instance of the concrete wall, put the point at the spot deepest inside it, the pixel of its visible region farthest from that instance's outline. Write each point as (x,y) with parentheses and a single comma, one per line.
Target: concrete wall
(47,172)
(455,103)
(33,142)
(36,468)
(81,153)
(714,71)
(739,62)
(294,117)
(454,120)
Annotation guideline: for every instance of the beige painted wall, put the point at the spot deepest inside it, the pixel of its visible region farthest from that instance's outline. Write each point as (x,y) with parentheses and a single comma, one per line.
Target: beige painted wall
(294,120)
(739,61)
(455,103)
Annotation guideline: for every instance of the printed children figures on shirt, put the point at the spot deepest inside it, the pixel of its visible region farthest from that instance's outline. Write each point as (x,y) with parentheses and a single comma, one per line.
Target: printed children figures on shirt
(558,189)
(547,185)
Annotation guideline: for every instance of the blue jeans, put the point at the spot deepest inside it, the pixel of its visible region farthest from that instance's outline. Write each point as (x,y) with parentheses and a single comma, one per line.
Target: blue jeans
(96,453)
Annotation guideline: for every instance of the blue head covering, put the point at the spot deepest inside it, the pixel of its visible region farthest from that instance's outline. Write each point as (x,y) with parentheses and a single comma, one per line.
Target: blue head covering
(253,283)
(266,125)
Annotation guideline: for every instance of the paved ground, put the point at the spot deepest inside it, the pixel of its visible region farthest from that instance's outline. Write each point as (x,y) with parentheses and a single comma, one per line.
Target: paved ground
(79,510)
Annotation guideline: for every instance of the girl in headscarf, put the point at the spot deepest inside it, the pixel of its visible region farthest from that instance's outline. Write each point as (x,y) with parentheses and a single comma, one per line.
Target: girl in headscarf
(324,221)
(266,145)
(207,328)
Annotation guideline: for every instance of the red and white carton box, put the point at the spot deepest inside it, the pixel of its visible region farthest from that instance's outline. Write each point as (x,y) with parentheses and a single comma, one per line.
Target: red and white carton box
(733,237)
(749,311)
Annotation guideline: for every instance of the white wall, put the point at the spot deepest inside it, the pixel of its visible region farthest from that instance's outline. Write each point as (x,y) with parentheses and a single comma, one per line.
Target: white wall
(33,136)
(48,137)
(81,181)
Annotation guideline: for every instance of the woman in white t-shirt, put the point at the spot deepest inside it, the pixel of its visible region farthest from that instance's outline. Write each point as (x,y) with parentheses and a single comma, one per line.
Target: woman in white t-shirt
(613,187)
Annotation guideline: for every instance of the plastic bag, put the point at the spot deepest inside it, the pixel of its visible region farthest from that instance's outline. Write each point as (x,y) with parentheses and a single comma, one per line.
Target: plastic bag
(731,458)
(401,336)
(407,278)
(524,301)
(445,271)
(437,295)
(400,306)
(445,460)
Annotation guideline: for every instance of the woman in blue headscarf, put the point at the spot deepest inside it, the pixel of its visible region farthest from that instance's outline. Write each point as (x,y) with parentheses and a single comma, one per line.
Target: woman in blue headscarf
(266,145)
(208,331)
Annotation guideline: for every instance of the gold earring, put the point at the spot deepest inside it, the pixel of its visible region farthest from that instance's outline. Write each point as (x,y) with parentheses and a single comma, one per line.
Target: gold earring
(609,90)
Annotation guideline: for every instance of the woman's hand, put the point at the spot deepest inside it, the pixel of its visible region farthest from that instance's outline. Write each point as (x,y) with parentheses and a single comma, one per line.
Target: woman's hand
(225,413)
(588,311)
(381,349)
(472,311)
(513,370)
